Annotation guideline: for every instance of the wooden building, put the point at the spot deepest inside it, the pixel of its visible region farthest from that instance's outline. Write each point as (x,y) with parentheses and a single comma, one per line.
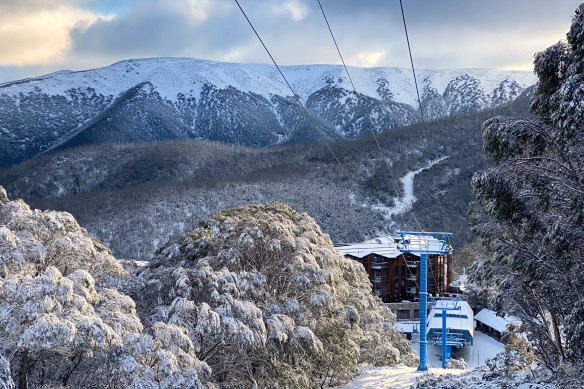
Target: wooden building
(395,276)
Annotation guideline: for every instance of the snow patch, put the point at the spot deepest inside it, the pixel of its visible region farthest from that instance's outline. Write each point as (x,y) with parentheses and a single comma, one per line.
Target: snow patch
(405,203)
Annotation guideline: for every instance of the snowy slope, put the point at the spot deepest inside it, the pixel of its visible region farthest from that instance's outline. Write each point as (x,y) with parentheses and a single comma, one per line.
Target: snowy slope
(249,104)
(173,76)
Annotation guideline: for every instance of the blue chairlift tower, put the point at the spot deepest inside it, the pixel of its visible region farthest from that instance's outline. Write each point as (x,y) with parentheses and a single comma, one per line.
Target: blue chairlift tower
(422,244)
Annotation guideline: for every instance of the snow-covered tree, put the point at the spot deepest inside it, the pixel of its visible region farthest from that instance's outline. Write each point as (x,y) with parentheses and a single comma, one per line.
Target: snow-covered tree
(61,322)
(32,240)
(64,318)
(529,206)
(6,381)
(267,300)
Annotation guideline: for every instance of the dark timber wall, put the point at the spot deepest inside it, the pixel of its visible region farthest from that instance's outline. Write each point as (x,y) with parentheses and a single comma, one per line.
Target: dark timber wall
(398,279)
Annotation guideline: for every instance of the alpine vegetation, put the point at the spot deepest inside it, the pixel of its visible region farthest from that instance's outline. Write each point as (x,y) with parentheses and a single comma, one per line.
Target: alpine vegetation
(61,321)
(529,207)
(267,300)
(256,294)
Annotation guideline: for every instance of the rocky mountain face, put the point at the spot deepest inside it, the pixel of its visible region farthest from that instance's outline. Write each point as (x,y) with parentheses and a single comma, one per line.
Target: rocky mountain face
(245,104)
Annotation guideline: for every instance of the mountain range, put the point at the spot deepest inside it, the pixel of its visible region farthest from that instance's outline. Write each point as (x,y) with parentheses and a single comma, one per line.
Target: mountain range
(245,104)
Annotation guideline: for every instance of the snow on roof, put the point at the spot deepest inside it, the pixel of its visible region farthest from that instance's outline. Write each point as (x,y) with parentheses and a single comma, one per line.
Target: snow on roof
(490,318)
(386,246)
(383,245)
(407,327)
(424,243)
(462,316)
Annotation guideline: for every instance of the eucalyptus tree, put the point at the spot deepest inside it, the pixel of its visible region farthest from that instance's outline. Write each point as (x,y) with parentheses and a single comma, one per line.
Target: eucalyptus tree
(529,205)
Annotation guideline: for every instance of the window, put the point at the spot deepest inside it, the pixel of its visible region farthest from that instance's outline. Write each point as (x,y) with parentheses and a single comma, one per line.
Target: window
(416,313)
(403,314)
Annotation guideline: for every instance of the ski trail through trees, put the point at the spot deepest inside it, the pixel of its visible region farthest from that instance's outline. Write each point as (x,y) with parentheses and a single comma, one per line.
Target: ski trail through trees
(405,203)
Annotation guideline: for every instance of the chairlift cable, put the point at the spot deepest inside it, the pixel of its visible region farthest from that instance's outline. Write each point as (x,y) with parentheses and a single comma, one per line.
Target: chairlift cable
(348,74)
(296,96)
(420,106)
(358,101)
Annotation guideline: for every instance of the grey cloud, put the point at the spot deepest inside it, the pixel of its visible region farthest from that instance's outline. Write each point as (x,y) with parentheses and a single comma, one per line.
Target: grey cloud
(444,33)
(160,28)
(164,28)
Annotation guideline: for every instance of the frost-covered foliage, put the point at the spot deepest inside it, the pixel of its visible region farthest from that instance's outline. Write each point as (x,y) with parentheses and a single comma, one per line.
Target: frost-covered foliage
(163,360)
(268,300)
(6,381)
(530,206)
(52,312)
(518,347)
(62,317)
(32,240)
(60,323)
(492,376)
(454,363)
(498,373)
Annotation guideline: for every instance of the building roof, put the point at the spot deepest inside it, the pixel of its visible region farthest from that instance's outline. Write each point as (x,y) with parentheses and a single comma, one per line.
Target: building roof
(490,318)
(460,318)
(387,246)
(383,245)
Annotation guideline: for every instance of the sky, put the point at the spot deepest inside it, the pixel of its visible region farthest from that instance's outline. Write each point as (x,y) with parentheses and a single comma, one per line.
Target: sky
(42,36)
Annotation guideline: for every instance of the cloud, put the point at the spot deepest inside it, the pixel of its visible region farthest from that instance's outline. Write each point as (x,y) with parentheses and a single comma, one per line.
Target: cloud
(368,58)
(36,35)
(295,8)
(444,34)
(156,28)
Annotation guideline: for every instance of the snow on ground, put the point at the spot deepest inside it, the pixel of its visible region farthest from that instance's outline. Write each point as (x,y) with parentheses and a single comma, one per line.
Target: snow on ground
(401,376)
(397,377)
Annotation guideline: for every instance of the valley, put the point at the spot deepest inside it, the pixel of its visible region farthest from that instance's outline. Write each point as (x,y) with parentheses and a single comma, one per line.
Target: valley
(136,196)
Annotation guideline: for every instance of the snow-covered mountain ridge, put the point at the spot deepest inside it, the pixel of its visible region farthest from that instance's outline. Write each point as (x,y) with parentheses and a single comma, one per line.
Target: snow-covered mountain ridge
(248,104)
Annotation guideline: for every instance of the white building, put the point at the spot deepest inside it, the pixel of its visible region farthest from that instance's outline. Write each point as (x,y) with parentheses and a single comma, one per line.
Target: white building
(488,322)
(459,323)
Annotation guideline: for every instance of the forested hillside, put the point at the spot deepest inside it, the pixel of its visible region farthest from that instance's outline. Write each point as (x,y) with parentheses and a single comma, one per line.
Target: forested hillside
(134,197)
